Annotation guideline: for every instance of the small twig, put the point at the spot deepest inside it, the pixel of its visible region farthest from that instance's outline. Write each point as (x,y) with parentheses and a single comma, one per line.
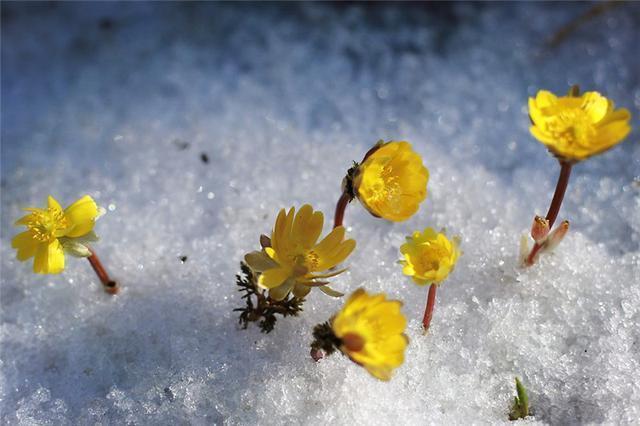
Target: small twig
(596,10)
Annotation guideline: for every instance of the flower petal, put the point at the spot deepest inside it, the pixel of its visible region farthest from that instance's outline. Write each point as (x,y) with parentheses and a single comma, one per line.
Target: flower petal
(330,292)
(282,291)
(53,203)
(259,261)
(596,105)
(273,277)
(49,258)
(313,230)
(300,222)
(82,216)
(25,244)
(610,135)
(545,98)
(325,247)
(339,254)
(300,290)
(277,233)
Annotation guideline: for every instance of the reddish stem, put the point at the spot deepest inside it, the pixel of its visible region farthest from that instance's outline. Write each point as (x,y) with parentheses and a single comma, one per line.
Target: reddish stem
(110,286)
(554,208)
(340,208)
(428,312)
(558,196)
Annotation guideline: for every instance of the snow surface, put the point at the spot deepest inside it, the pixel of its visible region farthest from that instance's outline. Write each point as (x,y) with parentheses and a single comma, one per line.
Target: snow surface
(99,99)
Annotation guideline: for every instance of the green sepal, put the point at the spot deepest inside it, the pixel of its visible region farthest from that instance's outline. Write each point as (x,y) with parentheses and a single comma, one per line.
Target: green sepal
(89,237)
(75,248)
(330,292)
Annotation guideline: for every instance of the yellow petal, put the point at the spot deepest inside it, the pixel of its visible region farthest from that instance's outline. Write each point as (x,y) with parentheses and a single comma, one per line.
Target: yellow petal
(380,372)
(25,244)
(339,254)
(53,203)
(282,291)
(621,114)
(543,137)
(49,258)
(259,261)
(595,105)
(278,229)
(330,292)
(300,290)
(300,222)
(281,236)
(544,99)
(273,277)
(534,112)
(611,134)
(327,275)
(81,215)
(24,220)
(313,230)
(330,242)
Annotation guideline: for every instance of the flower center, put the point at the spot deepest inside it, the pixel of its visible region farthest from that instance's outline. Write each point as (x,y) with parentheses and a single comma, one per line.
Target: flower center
(429,260)
(571,126)
(307,260)
(47,224)
(386,186)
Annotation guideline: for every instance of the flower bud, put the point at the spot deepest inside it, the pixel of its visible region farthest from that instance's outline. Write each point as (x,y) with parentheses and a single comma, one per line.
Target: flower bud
(316,354)
(556,236)
(265,241)
(539,229)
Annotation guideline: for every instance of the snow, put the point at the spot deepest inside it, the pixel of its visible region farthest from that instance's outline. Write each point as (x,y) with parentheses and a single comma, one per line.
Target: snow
(121,101)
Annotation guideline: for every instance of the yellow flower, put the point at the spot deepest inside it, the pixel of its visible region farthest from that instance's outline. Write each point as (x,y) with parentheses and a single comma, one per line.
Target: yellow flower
(371,331)
(577,127)
(391,182)
(429,256)
(52,231)
(294,261)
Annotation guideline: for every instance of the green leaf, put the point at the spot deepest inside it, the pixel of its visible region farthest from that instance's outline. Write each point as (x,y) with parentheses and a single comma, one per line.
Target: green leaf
(520,408)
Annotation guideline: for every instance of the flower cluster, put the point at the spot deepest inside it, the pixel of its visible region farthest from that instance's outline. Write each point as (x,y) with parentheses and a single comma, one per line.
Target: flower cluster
(391,183)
